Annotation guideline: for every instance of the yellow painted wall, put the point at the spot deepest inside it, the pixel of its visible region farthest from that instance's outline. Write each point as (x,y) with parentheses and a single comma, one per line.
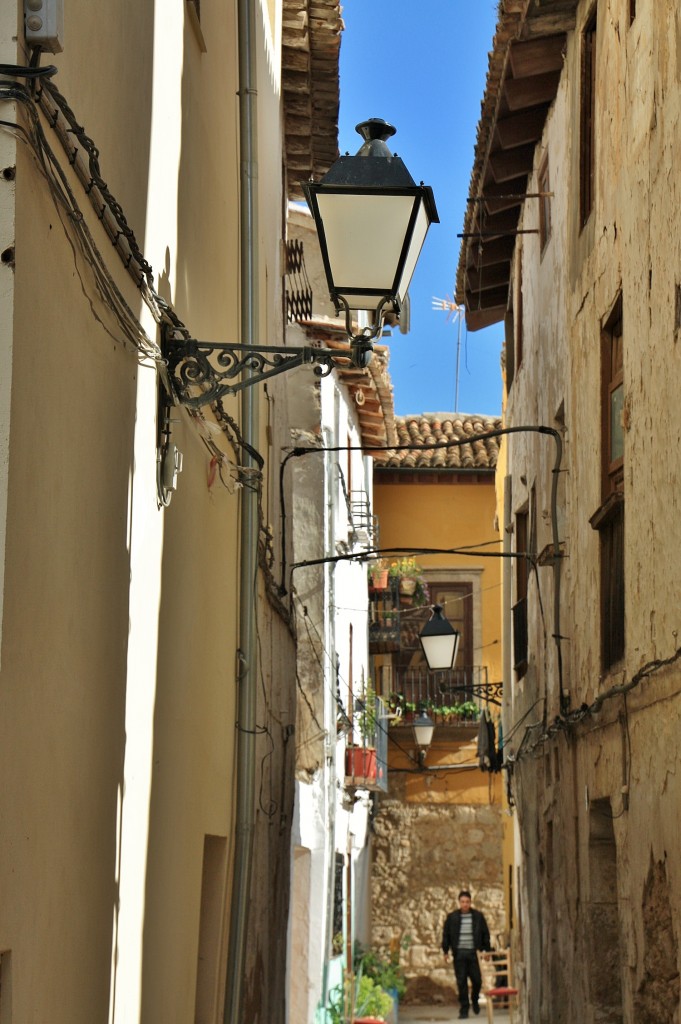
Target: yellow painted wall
(449,515)
(438,784)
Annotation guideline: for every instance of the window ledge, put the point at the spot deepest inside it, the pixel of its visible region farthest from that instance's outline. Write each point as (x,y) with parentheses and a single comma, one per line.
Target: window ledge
(607,511)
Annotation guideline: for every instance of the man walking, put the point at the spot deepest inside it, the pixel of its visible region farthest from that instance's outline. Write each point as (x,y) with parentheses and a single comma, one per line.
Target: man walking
(466,931)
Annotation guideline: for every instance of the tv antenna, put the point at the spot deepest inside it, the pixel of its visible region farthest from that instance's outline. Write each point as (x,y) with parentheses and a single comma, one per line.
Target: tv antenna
(457,312)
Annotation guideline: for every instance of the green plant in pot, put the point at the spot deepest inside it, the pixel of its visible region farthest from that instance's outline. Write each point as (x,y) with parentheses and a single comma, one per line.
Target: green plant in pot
(360,758)
(378,575)
(371,1002)
(469,710)
(384,970)
(366,715)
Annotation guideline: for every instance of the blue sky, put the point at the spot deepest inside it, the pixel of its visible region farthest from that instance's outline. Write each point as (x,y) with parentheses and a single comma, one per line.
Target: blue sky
(422,67)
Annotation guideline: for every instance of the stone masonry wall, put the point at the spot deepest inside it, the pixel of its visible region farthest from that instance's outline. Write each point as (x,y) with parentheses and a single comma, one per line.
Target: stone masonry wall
(423,856)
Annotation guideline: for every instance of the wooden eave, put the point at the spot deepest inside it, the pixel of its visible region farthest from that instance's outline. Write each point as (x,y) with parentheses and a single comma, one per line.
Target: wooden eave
(525,66)
(443,475)
(370,390)
(311,35)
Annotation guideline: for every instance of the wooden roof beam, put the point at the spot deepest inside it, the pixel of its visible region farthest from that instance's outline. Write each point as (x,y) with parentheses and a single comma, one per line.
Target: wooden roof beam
(477,319)
(537,56)
(550,23)
(521,129)
(507,164)
(492,299)
(530,92)
(489,277)
(499,250)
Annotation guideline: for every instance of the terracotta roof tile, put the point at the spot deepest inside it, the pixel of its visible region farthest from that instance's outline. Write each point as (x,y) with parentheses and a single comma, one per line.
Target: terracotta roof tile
(431,428)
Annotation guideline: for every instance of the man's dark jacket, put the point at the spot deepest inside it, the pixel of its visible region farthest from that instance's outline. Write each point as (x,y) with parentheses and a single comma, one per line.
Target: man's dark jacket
(450,932)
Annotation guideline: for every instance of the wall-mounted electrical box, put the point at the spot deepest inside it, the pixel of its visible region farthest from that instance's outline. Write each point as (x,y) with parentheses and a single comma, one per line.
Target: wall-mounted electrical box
(44,24)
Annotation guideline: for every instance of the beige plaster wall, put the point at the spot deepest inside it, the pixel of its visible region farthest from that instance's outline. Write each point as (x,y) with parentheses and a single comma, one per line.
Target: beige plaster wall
(120,621)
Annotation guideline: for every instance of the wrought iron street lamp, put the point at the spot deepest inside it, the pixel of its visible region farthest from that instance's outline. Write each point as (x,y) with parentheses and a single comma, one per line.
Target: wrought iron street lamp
(372,220)
(423,727)
(439,640)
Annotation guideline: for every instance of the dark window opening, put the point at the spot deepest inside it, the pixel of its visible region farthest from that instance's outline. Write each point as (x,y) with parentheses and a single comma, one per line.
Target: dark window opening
(612,402)
(587,122)
(544,187)
(521,563)
(457,602)
(609,519)
(612,588)
(519,314)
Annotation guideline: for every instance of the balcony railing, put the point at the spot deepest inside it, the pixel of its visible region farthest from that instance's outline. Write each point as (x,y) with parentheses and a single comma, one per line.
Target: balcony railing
(421,688)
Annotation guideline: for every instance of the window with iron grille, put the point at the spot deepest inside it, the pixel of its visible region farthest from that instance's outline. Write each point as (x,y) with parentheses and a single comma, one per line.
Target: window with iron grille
(298,289)
(337,925)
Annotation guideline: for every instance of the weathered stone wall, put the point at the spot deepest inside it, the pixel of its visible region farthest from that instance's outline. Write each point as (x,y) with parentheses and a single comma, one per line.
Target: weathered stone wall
(622,762)
(423,855)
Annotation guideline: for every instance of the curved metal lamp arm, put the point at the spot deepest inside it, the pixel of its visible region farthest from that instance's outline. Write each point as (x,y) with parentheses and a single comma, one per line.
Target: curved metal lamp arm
(214,367)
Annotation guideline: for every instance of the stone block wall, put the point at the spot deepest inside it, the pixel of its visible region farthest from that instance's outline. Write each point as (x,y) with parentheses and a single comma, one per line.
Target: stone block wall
(424,854)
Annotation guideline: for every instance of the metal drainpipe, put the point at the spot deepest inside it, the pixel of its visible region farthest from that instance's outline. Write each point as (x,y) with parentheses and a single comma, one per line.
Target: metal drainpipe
(247,674)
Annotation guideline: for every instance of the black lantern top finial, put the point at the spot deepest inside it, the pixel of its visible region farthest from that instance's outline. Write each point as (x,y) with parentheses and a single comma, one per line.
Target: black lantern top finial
(375,132)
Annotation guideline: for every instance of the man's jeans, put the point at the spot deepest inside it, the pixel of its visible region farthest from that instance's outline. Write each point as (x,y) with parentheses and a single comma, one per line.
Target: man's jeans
(466,966)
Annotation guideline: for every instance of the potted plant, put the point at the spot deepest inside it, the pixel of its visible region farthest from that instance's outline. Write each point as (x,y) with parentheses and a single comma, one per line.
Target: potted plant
(407,577)
(469,710)
(395,704)
(378,575)
(408,711)
(360,759)
(371,1003)
(366,717)
(384,970)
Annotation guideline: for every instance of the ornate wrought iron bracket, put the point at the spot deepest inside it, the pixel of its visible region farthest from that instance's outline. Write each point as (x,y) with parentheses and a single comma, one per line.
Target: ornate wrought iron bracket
(204,371)
(489,692)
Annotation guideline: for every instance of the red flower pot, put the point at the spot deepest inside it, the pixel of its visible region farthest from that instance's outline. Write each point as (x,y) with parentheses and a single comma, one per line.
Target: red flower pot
(360,763)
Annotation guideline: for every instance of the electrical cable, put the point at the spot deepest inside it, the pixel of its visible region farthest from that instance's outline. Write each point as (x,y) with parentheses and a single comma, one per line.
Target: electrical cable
(566,720)
(76,226)
(110,213)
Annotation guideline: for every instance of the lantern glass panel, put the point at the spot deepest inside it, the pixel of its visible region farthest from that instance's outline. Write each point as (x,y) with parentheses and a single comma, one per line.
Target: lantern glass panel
(365,238)
(418,238)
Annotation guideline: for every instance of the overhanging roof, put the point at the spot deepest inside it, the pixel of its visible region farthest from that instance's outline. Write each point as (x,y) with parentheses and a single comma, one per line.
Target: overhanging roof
(525,66)
(311,36)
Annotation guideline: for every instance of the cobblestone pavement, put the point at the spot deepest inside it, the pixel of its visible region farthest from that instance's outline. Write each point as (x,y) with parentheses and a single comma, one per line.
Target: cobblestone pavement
(449,1012)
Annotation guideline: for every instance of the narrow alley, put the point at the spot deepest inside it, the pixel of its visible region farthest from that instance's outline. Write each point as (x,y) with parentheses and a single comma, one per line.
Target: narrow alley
(311,682)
